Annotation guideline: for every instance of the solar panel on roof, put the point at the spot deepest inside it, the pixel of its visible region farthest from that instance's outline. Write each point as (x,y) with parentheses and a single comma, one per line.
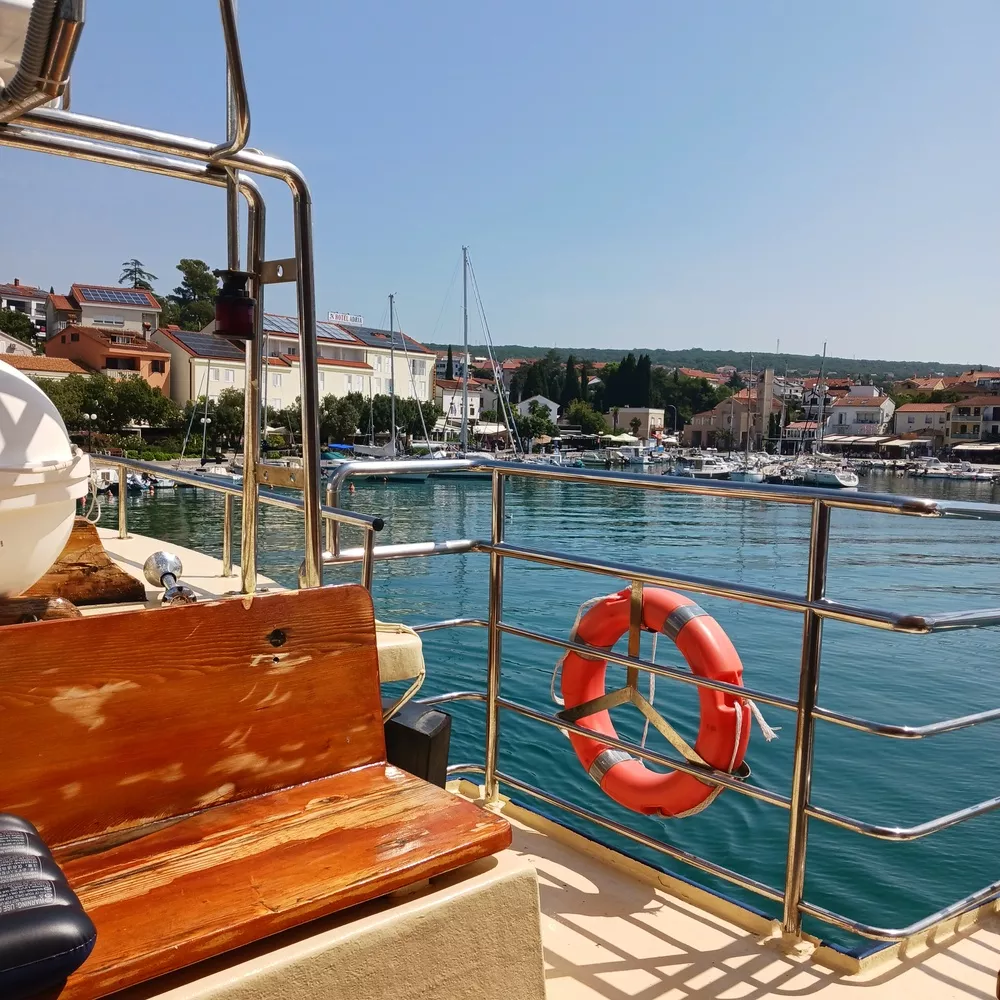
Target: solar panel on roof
(207,345)
(289,325)
(115,296)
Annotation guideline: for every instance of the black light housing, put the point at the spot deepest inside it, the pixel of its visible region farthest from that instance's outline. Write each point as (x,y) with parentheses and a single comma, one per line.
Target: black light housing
(234,308)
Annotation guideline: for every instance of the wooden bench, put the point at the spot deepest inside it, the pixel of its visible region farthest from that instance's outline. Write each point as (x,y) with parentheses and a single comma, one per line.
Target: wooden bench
(212,774)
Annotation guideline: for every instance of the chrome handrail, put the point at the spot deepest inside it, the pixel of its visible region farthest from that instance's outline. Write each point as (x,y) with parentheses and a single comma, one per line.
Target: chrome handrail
(813,605)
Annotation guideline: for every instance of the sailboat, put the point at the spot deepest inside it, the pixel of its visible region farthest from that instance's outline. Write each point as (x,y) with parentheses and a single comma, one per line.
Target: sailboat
(389,452)
(746,474)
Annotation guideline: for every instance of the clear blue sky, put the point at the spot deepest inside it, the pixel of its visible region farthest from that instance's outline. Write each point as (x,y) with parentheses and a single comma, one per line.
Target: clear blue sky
(661,174)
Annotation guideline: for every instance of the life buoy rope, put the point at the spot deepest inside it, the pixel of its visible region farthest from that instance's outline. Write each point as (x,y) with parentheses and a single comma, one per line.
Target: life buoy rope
(724,719)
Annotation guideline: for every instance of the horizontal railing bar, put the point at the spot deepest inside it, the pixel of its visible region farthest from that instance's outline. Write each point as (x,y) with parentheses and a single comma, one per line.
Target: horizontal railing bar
(406,550)
(451,623)
(970,902)
(216,485)
(444,699)
(660,670)
(677,853)
(761,596)
(706,774)
(907,732)
(903,833)
(465,769)
(837,718)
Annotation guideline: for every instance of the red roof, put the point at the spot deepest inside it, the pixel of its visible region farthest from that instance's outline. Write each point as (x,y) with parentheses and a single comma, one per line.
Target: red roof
(277,362)
(137,345)
(979,401)
(695,373)
(61,303)
(802,425)
(456,383)
(924,407)
(41,363)
(862,402)
(75,292)
(22,291)
(344,363)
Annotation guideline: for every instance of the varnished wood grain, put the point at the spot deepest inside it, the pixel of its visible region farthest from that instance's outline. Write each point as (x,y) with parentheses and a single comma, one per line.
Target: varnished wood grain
(239,872)
(17,610)
(85,574)
(117,721)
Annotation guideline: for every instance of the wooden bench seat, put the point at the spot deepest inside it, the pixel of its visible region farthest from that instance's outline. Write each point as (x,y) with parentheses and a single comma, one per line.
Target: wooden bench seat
(213,774)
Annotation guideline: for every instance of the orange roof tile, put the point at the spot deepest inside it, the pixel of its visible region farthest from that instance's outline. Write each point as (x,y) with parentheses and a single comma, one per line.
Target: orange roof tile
(41,363)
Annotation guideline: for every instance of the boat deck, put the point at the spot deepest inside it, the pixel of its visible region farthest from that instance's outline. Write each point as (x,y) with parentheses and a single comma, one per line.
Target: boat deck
(611,931)
(608,934)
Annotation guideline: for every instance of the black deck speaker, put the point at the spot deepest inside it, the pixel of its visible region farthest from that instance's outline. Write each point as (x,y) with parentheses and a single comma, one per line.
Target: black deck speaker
(417,740)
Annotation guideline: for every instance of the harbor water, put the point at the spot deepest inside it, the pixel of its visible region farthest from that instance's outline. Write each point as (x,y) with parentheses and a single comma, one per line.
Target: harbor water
(910,564)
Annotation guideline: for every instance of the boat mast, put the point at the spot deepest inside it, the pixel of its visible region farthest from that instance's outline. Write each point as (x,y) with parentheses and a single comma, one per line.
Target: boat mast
(822,402)
(392,378)
(465,348)
(752,415)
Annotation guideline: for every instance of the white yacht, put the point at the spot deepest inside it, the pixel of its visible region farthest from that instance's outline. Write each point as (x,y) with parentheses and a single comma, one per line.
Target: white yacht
(705,467)
(830,476)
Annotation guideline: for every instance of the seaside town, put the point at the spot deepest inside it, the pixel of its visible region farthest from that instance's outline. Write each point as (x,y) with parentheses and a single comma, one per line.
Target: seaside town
(141,375)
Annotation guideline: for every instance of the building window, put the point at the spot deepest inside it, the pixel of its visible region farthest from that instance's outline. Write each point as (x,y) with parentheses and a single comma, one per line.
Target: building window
(108,320)
(910,419)
(322,380)
(74,337)
(378,386)
(230,375)
(63,338)
(275,403)
(159,367)
(276,379)
(350,383)
(378,363)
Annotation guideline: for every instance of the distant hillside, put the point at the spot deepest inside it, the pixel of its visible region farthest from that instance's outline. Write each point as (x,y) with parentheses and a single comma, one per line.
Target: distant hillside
(795,364)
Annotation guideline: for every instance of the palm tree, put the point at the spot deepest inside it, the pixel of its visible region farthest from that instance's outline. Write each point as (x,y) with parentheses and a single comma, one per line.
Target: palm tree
(135,275)
(635,423)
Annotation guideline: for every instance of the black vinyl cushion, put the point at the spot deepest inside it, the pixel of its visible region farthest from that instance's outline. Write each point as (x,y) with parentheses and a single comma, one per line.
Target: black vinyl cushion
(44,933)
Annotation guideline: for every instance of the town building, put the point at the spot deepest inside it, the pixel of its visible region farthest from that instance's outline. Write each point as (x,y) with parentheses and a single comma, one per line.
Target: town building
(929,422)
(200,364)
(712,378)
(524,407)
(449,396)
(118,310)
(651,421)
(798,435)
(11,345)
(863,412)
(459,364)
(40,367)
(115,352)
(970,418)
(25,299)
(728,423)
(818,397)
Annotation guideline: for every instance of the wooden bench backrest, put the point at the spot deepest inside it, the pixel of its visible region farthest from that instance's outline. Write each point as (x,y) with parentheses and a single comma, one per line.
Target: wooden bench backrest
(115,721)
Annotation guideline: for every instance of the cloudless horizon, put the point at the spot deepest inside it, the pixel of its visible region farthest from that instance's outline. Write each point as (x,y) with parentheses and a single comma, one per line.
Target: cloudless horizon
(648,174)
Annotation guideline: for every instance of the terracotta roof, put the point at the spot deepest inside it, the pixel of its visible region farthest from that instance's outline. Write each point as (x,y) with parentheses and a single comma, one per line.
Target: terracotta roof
(22,291)
(41,363)
(138,345)
(924,407)
(278,362)
(861,402)
(456,383)
(979,401)
(294,359)
(802,425)
(62,303)
(75,292)
(695,373)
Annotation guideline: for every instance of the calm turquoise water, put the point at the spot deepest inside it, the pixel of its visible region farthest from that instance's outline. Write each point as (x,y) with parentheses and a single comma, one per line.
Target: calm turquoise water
(896,563)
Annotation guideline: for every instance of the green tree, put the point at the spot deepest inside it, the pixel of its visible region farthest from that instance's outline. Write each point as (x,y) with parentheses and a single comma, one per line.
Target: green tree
(135,275)
(17,325)
(571,384)
(635,423)
(735,382)
(339,418)
(539,421)
(582,414)
(449,368)
(192,303)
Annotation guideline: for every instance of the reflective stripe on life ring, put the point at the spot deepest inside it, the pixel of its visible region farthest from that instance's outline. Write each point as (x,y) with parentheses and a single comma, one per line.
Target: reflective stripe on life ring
(725,720)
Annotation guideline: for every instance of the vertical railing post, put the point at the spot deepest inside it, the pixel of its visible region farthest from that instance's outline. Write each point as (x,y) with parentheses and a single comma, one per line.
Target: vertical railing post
(227,535)
(812,635)
(256,219)
(122,492)
(493,640)
(368,560)
(332,540)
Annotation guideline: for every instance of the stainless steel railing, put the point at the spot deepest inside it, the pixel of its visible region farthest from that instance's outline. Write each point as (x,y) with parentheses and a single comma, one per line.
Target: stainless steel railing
(328,514)
(812,604)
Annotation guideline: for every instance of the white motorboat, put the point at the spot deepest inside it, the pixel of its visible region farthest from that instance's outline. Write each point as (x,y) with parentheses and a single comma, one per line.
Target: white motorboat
(835,477)
(705,467)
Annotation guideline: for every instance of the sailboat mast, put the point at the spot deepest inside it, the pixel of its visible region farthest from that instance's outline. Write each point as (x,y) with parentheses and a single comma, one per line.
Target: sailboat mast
(465,349)
(753,416)
(822,401)
(392,376)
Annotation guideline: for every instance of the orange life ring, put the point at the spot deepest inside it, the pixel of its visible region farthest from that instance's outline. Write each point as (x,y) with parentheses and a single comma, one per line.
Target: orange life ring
(725,721)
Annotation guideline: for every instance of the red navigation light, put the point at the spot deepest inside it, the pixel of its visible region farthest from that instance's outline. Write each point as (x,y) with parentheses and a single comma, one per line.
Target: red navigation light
(234,309)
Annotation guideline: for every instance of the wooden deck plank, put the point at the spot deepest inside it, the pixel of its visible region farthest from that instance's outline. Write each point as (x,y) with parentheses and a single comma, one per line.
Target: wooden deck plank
(241,871)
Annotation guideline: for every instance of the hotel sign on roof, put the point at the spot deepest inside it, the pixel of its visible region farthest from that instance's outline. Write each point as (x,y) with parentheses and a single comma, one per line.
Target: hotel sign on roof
(347,318)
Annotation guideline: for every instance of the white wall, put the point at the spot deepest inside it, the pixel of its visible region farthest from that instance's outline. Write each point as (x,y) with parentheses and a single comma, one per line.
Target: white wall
(101,315)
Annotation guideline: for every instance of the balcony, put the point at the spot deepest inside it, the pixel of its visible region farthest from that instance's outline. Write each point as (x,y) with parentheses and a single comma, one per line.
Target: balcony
(120,372)
(967,436)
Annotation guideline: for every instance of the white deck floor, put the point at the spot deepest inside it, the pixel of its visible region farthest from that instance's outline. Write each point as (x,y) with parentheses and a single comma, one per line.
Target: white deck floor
(609,935)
